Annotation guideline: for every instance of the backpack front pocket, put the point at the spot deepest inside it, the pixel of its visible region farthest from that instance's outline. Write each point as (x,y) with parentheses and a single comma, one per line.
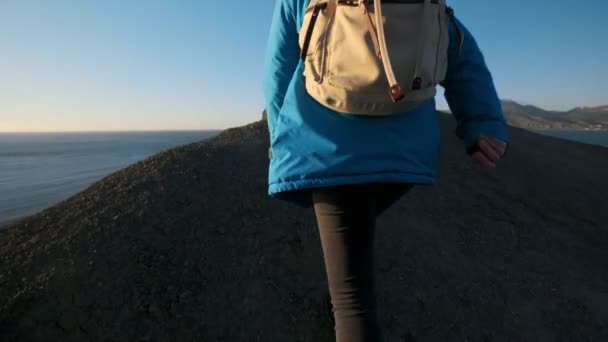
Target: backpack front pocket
(352,60)
(415,44)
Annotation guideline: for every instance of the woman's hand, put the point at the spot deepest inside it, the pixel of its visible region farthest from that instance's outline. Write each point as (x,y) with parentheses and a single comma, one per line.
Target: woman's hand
(488,151)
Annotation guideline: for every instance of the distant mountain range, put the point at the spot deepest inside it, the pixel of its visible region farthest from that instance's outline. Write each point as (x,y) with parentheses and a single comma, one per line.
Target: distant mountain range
(531,117)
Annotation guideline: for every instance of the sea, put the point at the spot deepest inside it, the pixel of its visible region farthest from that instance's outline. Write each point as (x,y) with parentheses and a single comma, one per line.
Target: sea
(599,138)
(38,170)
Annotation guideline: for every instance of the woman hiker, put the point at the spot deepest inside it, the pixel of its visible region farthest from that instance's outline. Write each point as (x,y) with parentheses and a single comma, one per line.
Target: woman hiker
(349,92)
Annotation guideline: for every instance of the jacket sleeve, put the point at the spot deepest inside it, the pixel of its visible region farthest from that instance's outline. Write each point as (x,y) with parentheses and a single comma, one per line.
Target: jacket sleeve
(470,92)
(281,59)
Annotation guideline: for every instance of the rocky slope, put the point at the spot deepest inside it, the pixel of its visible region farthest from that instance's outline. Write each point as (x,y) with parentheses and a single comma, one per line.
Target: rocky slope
(186,246)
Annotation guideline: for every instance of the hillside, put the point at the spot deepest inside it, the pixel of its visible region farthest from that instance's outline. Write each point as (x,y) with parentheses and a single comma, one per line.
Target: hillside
(187,246)
(532,117)
(599,114)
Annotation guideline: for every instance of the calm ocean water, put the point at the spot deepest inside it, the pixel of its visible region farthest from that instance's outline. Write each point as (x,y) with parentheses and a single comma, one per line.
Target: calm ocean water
(589,137)
(38,170)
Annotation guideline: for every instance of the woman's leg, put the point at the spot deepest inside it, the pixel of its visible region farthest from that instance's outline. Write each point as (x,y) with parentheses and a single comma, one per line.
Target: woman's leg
(346,218)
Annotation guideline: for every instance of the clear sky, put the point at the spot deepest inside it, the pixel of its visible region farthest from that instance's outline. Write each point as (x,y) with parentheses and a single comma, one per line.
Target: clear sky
(192,64)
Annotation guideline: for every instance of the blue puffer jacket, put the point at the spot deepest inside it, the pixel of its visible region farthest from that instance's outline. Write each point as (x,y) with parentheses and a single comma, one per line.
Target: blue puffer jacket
(313,146)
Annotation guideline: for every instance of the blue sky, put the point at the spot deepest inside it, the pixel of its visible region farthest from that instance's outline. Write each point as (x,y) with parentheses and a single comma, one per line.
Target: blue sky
(70,65)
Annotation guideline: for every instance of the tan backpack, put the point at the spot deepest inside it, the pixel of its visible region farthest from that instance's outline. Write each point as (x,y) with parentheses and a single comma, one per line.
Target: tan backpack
(345,45)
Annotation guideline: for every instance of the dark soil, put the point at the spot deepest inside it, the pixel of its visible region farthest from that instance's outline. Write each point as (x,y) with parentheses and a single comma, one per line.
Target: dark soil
(187,246)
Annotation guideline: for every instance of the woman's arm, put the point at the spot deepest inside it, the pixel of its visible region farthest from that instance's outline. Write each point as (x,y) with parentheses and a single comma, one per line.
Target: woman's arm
(282,57)
(470,93)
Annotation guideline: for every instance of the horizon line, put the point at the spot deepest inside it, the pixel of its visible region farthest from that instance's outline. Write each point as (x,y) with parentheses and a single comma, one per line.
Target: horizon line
(143,130)
(116,131)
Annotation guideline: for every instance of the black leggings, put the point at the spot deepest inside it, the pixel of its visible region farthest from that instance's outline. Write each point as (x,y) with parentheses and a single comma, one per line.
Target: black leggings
(346,216)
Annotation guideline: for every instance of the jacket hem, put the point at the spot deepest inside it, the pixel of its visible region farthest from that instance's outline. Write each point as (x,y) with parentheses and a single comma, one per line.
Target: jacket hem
(295,191)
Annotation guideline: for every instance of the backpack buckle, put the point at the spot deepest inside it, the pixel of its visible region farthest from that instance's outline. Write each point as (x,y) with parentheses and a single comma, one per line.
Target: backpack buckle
(397,93)
(416,83)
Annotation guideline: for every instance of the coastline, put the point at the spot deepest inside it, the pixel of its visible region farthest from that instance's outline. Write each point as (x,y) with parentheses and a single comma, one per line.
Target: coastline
(553,133)
(568,129)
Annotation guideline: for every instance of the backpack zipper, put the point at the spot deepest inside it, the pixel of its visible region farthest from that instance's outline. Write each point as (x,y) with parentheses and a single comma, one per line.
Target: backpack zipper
(311,28)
